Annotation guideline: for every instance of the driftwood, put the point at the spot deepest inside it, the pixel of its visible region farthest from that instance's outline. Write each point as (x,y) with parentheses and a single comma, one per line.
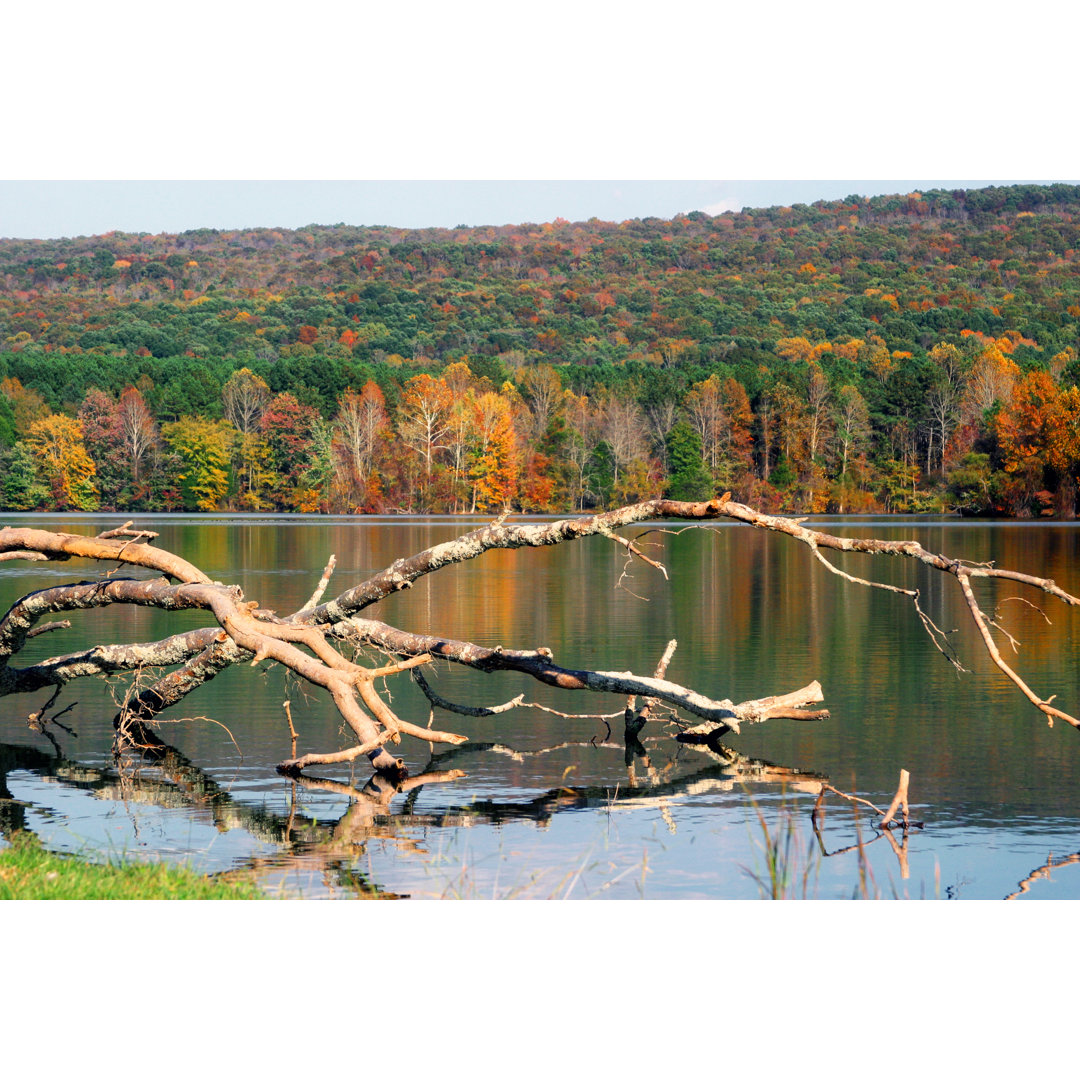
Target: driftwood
(308,642)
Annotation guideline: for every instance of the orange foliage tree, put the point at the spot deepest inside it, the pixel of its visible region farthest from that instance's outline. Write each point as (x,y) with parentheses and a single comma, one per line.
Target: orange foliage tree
(27,404)
(1039,441)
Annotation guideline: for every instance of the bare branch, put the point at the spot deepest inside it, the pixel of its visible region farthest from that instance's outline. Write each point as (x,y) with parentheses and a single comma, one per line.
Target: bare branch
(789,706)
(402,573)
(396,668)
(1021,600)
(62,546)
(127,530)
(899,801)
(995,655)
(287,706)
(205,720)
(665,659)
(107,660)
(572,716)
(24,614)
(464,710)
(45,628)
(324,581)
(538,664)
(632,549)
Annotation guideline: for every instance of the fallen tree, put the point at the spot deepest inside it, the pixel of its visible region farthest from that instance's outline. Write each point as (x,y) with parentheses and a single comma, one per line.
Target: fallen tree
(310,642)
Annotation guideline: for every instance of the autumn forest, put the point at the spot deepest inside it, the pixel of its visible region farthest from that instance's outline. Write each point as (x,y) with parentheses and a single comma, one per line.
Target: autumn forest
(909,353)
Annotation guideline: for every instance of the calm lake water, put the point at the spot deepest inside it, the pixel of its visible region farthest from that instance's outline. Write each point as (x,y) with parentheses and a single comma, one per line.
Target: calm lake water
(537,805)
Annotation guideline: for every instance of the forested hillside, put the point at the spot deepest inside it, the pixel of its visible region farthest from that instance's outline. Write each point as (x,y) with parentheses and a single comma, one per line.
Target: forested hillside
(908,353)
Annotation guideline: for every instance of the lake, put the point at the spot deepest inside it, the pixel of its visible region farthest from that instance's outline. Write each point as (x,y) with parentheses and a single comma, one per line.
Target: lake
(537,805)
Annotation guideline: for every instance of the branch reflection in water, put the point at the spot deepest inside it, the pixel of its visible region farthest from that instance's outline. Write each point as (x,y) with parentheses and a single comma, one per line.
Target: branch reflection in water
(317,856)
(1043,872)
(310,846)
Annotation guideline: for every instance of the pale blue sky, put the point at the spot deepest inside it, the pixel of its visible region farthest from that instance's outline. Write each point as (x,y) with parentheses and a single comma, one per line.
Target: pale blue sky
(121,120)
(53,208)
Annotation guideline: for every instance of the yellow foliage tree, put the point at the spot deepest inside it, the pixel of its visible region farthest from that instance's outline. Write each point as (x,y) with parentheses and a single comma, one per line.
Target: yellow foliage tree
(991,379)
(795,348)
(204,447)
(57,445)
(496,461)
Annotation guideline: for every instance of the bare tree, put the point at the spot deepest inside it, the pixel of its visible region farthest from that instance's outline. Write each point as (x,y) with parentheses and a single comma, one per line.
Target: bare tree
(244,397)
(852,428)
(662,416)
(705,409)
(308,641)
(818,397)
(766,415)
(361,419)
(944,399)
(137,427)
(623,428)
(584,427)
(541,390)
(425,416)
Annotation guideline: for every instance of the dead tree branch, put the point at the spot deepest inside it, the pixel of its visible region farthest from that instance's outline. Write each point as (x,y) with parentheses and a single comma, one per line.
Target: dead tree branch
(324,581)
(463,710)
(899,802)
(305,642)
(404,572)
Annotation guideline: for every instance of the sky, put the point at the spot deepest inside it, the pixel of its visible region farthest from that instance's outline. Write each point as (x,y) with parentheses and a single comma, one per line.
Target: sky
(222,115)
(54,208)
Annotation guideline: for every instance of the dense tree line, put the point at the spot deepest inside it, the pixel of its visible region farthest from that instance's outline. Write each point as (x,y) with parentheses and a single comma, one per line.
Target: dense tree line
(905,353)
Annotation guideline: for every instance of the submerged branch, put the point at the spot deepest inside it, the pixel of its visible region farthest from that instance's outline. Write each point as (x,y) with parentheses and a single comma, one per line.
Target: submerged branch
(1043,871)
(899,802)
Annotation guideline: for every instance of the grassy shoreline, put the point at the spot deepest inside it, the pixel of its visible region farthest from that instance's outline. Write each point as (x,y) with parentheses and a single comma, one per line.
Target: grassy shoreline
(29,872)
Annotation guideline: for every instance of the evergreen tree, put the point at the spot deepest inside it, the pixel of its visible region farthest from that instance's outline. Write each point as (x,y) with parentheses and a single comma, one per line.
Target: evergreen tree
(688,478)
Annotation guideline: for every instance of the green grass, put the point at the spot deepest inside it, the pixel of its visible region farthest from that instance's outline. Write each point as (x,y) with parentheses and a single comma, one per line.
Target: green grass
(28,872)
